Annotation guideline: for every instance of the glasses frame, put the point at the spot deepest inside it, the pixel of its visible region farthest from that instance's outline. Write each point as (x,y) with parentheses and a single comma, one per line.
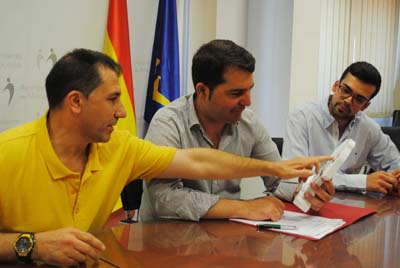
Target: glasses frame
(357,99)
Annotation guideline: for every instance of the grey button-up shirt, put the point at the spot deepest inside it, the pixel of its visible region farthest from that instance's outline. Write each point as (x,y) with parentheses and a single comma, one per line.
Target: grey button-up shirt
(177,125)
(312,130)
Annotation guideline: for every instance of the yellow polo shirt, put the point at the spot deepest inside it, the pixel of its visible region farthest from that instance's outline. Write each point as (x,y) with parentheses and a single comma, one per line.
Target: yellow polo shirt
(38,192)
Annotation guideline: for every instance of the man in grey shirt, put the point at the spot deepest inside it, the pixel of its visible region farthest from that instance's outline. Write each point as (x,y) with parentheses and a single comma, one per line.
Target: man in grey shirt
(215,116)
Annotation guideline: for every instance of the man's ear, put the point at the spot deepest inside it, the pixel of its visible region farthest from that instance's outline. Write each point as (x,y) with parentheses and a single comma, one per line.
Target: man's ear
(202,89)
(74,100)
(335,86)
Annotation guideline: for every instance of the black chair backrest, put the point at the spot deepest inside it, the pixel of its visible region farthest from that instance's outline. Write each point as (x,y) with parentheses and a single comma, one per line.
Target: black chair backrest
(396,118)
(394,134)
(131,195)
(279,143)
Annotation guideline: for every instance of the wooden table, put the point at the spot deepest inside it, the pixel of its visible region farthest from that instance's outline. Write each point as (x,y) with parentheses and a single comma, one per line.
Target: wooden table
(370,242)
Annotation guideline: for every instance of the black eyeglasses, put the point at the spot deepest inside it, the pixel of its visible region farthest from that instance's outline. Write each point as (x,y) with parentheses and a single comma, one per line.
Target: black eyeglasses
(346,92)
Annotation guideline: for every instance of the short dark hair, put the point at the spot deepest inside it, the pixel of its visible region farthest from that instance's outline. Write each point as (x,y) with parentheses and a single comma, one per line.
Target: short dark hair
(213,58)
(77,70)
(366,73)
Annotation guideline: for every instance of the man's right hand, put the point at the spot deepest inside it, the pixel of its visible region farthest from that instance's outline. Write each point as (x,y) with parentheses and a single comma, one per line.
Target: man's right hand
(300,166)
(381,181)
(263,208)
(67,246)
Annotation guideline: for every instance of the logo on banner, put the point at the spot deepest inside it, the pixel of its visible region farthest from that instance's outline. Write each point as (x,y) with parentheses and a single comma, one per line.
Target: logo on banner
(39,58)
(10,88)
(52,56)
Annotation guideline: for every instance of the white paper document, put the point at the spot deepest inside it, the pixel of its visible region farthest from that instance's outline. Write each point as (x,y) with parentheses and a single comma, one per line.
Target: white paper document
(306,225)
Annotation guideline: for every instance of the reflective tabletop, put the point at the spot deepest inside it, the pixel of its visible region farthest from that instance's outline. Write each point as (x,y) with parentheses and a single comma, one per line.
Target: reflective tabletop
(370,242)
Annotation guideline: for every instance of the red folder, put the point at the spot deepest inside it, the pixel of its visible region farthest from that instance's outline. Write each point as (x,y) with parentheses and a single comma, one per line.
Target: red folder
(347,213)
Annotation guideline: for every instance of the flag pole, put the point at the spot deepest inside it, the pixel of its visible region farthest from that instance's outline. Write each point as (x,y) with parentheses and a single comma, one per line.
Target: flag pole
(185,47)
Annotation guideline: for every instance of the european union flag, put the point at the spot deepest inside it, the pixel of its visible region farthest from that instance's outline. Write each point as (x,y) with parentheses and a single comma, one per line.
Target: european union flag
(163,86)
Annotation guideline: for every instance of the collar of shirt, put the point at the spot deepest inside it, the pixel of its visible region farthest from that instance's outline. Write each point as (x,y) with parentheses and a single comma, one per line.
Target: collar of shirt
(57,169)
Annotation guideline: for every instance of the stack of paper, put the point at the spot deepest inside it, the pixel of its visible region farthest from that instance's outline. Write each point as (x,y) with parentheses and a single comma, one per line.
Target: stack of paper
(308,226)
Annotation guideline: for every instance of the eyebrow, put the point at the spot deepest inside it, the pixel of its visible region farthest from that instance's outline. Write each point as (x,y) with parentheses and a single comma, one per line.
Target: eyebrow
(241,89)
(236,89)
(114,94)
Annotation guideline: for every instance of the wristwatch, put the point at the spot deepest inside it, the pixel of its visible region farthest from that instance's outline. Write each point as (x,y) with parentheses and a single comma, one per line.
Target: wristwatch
(23,247)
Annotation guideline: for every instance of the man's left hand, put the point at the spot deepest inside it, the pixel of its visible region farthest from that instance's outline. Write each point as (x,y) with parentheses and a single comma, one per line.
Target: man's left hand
(323,194)
(396,173)
(396,190)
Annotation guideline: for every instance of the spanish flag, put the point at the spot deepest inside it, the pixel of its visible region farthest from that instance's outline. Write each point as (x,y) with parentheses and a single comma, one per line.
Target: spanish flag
(116,45)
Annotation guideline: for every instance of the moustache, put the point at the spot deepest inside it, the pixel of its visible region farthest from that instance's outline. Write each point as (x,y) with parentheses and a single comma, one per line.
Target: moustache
(239,109)
(345,105)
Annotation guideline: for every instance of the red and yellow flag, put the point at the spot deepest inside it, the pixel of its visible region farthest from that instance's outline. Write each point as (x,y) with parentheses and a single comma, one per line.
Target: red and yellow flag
(116,45)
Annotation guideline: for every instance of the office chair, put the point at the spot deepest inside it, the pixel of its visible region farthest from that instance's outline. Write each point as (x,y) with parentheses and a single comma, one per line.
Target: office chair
(394,134)
(396,118)
(131,197)
(279,143)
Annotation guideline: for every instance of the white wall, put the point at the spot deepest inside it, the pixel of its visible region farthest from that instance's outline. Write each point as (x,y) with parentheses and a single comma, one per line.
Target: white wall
(269,39)
(231,21)
(305,49)
(29,30)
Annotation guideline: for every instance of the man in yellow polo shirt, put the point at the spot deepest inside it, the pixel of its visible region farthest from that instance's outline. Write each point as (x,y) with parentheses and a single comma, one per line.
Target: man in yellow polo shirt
(62,174)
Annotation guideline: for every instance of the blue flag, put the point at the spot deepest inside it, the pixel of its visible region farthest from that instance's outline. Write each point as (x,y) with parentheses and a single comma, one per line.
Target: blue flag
(163,86)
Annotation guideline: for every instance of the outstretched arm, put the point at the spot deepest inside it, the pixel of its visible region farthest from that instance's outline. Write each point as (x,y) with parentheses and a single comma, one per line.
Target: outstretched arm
(200,163)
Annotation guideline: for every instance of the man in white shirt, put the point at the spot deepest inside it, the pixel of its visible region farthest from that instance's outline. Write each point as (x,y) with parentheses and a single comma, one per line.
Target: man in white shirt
(318,128)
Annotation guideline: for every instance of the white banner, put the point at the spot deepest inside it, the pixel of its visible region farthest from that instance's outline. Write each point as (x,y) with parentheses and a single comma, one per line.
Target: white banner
(34,34)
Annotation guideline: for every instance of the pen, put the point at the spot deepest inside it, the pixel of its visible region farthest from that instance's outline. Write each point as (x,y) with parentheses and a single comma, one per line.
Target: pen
(276,226)
(108,262)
